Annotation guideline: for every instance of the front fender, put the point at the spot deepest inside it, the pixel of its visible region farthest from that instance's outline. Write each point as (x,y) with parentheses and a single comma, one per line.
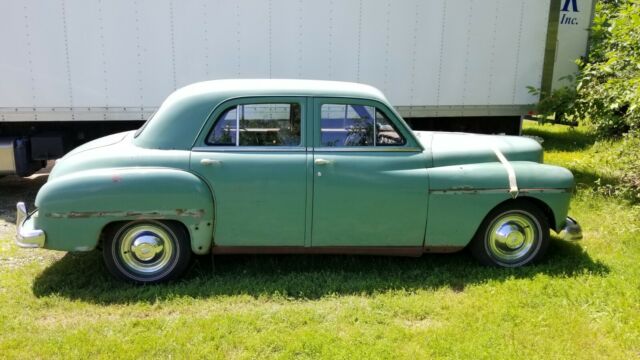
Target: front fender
(73,209)
(460,196)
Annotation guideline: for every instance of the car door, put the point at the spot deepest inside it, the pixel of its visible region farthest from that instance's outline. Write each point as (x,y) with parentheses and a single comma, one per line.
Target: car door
(370,180)
(252,152)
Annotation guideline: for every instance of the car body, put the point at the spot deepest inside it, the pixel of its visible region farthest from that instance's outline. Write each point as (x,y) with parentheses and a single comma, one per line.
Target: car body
(295,166)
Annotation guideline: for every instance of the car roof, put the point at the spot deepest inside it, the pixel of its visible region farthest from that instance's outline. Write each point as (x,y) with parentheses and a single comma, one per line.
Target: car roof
(181,116)
(280,87)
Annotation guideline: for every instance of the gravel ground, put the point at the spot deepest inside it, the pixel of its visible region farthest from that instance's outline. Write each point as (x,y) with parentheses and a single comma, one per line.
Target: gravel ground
(14,189)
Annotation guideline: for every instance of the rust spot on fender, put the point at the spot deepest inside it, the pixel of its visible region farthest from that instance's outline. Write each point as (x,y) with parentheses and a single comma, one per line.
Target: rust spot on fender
(154,214)
(199,213)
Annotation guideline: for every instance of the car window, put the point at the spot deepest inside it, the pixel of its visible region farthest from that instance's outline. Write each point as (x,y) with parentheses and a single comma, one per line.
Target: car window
(386,132)
(257,125)
(356,125)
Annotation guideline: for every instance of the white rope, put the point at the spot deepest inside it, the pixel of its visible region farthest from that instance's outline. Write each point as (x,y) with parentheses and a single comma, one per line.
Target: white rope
(513,185)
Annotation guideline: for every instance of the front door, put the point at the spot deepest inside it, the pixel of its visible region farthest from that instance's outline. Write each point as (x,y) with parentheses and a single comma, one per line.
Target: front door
(370,178)
(254,158)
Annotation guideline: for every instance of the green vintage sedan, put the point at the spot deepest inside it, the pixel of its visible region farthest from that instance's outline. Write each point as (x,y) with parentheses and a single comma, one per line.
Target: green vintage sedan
(294,166)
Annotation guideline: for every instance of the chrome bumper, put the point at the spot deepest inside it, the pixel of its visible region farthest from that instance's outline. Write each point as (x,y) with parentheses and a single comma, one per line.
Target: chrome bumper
(572,230)
(26,235)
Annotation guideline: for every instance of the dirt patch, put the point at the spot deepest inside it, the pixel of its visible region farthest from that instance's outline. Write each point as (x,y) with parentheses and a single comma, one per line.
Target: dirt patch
(14,189)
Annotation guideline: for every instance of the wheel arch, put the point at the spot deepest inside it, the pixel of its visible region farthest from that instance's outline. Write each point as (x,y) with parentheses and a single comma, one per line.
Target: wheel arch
(76,209)
(493,249)
(111,226)
(461,196)
(471,209)
(543,206)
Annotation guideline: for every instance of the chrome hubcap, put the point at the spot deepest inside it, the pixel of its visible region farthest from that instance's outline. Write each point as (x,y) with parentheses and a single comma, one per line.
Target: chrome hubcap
(511,237)
(146,248)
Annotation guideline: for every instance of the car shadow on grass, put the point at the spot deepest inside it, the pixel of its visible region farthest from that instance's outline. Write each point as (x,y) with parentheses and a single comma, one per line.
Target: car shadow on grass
(304,277)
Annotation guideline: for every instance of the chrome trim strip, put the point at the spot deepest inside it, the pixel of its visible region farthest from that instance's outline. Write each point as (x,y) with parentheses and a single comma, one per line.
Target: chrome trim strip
(368,149)
(499,191)
(248,149)
(27,238)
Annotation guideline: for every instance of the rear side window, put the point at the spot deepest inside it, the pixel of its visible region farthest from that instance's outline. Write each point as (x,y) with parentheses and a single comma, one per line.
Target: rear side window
(257,125)
(356,125)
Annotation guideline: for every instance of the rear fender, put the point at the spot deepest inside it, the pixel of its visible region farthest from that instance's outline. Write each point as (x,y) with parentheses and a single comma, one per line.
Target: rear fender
(73,209)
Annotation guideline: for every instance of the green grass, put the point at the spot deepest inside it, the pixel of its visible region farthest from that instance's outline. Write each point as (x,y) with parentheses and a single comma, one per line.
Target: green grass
(583,301)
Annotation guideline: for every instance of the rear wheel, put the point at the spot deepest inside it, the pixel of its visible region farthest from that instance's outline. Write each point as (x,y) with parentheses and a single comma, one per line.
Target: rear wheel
(512,235)
(147,251)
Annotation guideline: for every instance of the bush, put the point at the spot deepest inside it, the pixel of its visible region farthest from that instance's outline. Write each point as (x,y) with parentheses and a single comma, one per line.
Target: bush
(606,90)
(608,86)
(558,104)
(630,161)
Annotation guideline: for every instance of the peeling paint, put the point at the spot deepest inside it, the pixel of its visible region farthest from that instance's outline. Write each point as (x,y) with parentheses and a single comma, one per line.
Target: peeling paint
(154,214)
(464,190)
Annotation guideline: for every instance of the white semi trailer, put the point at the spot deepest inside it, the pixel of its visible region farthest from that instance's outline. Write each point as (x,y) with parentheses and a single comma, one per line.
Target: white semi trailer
(73,70)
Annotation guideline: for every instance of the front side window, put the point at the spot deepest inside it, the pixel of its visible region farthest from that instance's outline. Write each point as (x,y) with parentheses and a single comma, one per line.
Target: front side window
(257,125)
(356,125)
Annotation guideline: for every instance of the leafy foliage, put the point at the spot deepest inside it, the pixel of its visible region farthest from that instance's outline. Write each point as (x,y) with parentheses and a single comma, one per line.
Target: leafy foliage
(559,103)
(608,86)
(625,158)
(608,90)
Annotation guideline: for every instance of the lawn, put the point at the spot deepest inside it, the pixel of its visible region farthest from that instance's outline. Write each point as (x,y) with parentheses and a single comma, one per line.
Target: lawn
(583,301)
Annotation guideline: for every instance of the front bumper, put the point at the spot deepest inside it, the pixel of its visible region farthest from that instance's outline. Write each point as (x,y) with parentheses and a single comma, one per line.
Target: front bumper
(571,231)
(26,235)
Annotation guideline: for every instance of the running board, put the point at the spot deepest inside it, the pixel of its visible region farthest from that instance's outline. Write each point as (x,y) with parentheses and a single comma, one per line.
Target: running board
(409,251)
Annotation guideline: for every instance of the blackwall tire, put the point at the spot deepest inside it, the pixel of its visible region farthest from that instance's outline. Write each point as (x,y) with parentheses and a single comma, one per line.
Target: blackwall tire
(512,235)
(147,251)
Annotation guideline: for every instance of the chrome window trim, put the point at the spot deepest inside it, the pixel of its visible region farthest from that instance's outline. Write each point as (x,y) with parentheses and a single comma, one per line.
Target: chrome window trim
(239,114)
(302,149)
(239,107)
(214,148)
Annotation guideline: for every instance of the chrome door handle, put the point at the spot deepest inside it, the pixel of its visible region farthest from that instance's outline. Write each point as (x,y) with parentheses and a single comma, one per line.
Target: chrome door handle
(207,162)
(322,162)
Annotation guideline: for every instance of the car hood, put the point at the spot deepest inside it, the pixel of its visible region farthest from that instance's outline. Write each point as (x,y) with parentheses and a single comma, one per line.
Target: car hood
(462,148)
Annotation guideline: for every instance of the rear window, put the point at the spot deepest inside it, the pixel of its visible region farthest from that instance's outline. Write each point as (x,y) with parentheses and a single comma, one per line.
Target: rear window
(257,125)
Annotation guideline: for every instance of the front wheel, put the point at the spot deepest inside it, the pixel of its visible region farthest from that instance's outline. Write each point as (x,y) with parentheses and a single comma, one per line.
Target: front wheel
(147,251)
(512,235)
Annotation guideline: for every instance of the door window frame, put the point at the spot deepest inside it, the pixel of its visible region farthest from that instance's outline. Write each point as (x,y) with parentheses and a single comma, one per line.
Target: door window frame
(218,111)
(410,145)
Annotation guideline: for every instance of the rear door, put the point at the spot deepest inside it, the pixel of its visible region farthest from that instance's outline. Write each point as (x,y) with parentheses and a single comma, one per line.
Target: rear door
(370,179)
(254,158)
